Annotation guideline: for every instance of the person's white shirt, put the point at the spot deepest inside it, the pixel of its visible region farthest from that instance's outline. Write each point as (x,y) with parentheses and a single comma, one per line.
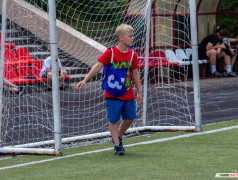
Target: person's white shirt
(47,64)
(227,41)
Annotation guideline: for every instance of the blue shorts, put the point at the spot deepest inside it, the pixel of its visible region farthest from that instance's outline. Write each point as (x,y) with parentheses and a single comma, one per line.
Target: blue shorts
(117,108)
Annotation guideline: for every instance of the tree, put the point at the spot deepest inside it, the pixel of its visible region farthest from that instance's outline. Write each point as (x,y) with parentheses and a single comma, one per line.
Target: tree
(229,20)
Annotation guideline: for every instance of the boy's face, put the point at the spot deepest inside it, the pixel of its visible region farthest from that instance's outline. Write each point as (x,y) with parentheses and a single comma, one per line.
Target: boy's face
(127,38)
(221,37)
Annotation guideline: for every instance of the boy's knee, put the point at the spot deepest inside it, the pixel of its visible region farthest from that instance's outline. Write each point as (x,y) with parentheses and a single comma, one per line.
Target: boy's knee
(49,75)
(213,52)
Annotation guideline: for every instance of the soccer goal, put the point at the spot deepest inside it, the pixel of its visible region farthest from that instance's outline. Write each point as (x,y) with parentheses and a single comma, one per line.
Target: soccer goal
(84,29)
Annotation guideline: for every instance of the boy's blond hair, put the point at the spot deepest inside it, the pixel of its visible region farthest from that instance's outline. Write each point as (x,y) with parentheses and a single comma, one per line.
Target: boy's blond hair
(122,29)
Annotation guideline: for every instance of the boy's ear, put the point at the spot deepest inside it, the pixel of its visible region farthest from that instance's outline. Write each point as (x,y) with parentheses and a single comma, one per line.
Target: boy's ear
(120,37)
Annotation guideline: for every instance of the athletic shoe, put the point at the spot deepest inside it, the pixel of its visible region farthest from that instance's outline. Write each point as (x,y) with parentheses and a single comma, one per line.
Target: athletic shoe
(120,143)
(225,74)
(217,74)
(119,150)
(232,74)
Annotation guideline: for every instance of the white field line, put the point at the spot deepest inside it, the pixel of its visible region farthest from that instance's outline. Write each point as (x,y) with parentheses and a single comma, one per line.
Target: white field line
(107,149)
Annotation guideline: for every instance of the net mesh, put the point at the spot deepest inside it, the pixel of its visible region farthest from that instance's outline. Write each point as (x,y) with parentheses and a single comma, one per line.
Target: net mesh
(85,29)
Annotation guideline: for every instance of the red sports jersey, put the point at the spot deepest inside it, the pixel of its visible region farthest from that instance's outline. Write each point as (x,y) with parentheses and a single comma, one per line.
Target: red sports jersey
(121,60)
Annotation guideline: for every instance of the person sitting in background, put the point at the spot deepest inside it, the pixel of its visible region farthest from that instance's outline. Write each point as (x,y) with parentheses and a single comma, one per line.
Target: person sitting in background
(231,51)
(212,48)
(46,73)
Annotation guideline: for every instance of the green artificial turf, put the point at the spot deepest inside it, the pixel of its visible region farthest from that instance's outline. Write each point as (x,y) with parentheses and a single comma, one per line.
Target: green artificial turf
(196,157)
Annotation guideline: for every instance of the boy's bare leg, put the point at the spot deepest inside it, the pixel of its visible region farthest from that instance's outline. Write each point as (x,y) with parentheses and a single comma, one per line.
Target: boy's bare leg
(113,127)
(10,86)
(62,78)
(233,58)
(125,124)
(227,59)
(49,82)
(61,81)
(7,83)
(49,79)
(212,54)
(12,89)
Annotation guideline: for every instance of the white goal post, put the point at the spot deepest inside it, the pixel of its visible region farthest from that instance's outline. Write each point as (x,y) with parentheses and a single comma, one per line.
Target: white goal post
(45,122)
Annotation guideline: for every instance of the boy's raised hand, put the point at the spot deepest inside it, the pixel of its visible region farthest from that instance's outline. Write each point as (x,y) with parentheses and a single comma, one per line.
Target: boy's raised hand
(80,84)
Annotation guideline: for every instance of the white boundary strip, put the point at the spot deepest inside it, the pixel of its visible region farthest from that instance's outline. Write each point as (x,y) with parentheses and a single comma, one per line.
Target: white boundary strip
(107,149)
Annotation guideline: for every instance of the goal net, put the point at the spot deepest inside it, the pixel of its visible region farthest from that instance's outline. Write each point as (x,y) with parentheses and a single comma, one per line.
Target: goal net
(85,29)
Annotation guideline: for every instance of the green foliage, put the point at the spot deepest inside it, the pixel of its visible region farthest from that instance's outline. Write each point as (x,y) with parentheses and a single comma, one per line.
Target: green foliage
(231,5)
(41,4)
(94,18)
(229,20)
(82,15)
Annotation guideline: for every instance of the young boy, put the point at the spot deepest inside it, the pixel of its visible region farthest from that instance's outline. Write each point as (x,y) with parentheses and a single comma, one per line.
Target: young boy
(46,73)
(120,57)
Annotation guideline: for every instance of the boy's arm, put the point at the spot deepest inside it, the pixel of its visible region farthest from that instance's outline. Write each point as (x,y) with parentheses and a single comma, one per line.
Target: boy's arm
(136,77)
(96,68)
(234,39)
(7,83)
(210,46)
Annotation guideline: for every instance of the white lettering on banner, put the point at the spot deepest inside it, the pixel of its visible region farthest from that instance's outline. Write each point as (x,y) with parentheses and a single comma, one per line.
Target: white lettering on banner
(122,80)
(116,84)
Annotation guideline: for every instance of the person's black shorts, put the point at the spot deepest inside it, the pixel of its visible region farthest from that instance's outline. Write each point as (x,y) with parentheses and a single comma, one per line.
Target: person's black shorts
(45,75)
